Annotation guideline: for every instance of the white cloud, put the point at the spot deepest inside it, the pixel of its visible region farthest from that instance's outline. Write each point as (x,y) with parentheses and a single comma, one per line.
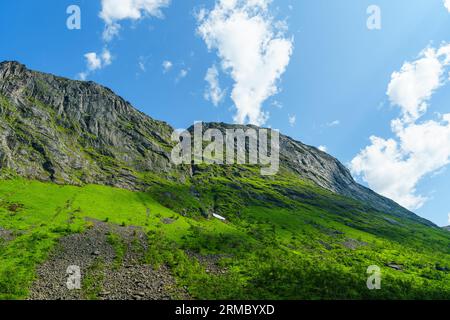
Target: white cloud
(333,123)
(449,218)
(182,74)
(113,11)
(106,58)
(292,120)
(447,4)
(323,148)
(167,66)
(213,93)
(277,104)
(142,63)
(412,87)
(95,62)
(394,167)
(252,49)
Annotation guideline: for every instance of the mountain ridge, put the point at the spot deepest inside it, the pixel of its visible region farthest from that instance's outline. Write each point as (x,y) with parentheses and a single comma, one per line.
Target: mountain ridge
(76,132)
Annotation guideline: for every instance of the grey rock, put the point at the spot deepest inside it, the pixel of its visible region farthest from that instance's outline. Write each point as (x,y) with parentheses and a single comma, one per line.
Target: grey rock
(139,281)
(353,244)
(5,235)
(395,266)
(74,132)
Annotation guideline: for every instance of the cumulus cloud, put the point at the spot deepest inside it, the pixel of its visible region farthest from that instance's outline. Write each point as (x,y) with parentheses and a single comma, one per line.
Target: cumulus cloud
(167,66)
(253,51)
(447,4)
(412,86)
(114,11)
(95,62)
(213,93)
(394,167)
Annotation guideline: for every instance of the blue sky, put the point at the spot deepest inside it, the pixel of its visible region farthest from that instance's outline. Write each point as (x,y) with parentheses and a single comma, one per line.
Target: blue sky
(334,85)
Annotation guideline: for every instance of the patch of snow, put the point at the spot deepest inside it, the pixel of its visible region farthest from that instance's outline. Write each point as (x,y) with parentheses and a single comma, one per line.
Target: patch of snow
(215,215)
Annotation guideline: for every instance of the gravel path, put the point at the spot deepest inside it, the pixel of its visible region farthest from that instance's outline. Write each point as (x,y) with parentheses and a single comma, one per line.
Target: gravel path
(105,273)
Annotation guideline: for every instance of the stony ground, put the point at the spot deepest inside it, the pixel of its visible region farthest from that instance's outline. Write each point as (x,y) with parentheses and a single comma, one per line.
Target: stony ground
(210,262)
(105,273)
(5,235)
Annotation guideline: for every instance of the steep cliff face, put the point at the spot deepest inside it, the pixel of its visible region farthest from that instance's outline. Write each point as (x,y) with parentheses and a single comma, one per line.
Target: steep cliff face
(75,132)
(310,163)
(326,171)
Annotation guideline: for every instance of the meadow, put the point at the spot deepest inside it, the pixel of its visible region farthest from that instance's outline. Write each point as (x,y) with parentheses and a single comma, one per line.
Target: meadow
(271,248)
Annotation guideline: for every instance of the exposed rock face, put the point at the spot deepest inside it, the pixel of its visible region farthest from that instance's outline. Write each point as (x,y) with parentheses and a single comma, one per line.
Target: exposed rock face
(75,132)
(326,171)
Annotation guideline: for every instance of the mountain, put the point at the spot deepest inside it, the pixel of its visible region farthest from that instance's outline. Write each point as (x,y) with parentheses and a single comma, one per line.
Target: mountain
(74,132)
(87,178)
(54,129)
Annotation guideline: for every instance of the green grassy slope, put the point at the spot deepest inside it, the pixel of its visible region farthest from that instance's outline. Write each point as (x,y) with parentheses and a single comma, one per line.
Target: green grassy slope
(284,238)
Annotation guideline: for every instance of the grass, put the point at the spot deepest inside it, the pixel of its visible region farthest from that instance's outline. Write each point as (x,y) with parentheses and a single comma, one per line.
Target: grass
(119,248)
(283,239)
(92,282)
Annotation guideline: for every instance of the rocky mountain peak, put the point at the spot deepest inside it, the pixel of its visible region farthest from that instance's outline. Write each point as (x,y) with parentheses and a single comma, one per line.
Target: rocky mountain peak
(13,67)
(76,132)
(66,131)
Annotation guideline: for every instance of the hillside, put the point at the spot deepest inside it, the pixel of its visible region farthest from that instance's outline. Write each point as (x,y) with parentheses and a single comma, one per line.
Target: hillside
(79,163)
(73,132)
